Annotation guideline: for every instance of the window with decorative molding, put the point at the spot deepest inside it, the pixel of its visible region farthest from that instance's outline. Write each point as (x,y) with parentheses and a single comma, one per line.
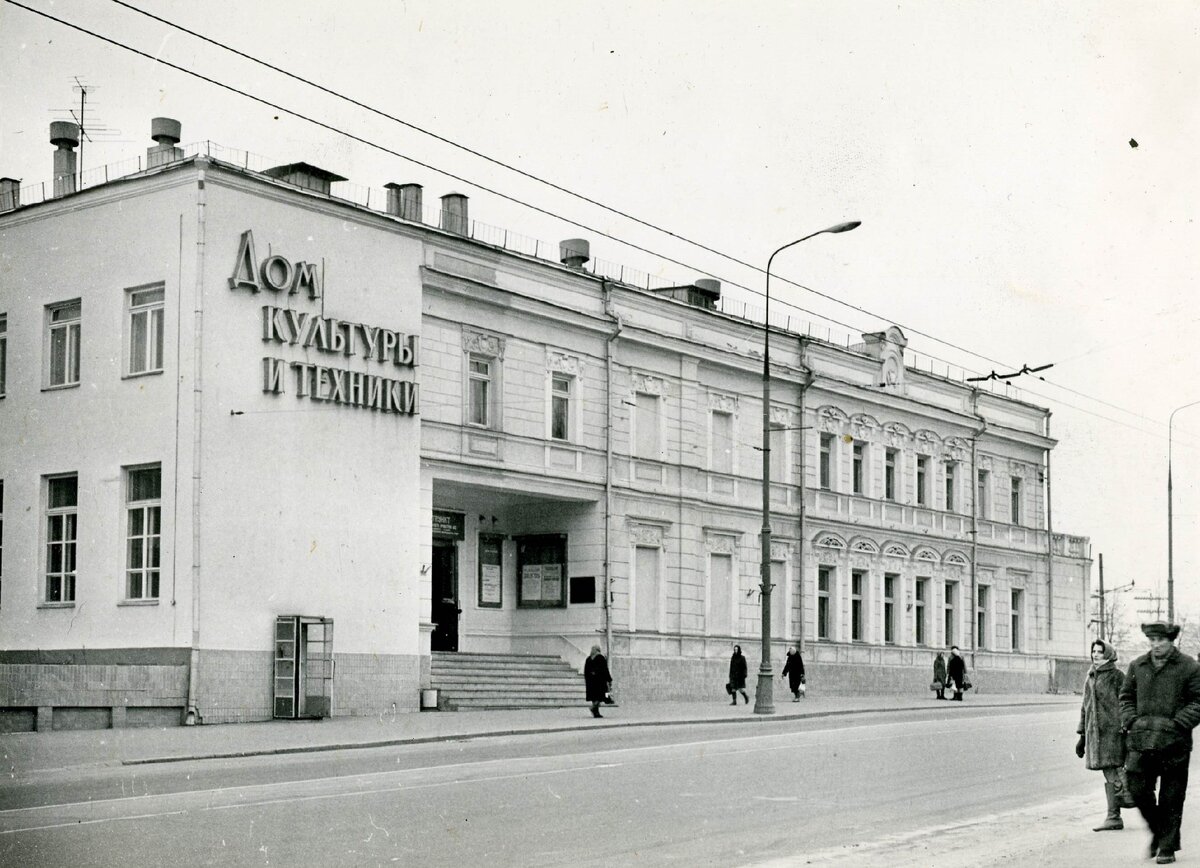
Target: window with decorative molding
(826,462)
(891,458)
(921,611)
(951,485)
(859,470)
(922,480)
(1018,605)
(780,463)
(647,426)
(824,603)
(891,584)
(721,451)
(950,615)
(982,619)
(1015,511)
(480,388)
(983,488)
(858,579)
(562,390)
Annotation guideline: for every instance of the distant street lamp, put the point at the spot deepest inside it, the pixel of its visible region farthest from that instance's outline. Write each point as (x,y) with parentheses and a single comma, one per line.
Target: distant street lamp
(1171,520)
(764,700)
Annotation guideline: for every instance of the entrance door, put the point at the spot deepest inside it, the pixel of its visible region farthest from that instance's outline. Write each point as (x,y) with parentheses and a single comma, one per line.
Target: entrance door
(445,610)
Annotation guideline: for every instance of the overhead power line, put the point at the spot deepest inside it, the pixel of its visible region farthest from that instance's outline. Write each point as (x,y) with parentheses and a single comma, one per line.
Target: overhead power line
(536,208)
(589,200)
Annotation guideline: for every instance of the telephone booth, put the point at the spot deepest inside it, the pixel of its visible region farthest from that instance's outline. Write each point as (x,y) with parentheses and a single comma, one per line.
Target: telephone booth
(303,667)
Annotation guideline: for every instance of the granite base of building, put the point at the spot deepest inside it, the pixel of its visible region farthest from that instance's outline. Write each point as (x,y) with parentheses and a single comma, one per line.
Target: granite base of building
(829,672)
(42,691)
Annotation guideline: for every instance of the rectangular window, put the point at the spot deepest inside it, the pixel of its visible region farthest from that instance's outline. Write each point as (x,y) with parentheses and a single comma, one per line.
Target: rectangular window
(824,582)
(145,305)
(1017,604)
(949,615)
(62,503)
(919,606)
(982,507)
(720,594)
(722,442)
(560,406)
(646,425)
(479,388)
(857,579)
(890,583)
(1015,500)
(62,343)
(779,454)
(922,480)
(859,469)
(646,581)
(981,618)
(3,352)
(889,475)
(951,473)
(826,464)
(143,535)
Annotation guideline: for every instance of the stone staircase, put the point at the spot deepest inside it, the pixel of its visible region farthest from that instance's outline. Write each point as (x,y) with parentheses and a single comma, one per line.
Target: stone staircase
(468,682)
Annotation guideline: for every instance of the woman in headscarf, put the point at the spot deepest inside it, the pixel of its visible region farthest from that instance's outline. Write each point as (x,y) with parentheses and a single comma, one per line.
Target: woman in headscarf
(1101,742)
(939,675)
(737,675)
(596,679)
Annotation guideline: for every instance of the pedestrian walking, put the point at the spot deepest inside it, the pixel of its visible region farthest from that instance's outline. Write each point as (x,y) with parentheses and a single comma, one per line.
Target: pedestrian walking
(737,675)
(1160,705)
(793,668)
(596,679)
(939,675)
(1101,742)
(956,669)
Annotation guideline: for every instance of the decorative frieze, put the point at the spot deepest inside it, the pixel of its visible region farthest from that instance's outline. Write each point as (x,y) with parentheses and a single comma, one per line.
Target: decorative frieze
(650,535)
(647,384)
(722,403)
(483,344)
(562,363)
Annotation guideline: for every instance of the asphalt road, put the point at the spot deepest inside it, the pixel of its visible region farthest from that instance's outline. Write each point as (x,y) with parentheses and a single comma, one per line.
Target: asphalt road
(786,793)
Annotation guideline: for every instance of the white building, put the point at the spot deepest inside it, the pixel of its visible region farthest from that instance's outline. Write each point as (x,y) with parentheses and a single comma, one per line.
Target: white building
(263,450)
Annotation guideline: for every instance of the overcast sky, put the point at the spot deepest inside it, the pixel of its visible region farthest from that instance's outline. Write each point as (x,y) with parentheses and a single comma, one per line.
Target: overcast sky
(987,148)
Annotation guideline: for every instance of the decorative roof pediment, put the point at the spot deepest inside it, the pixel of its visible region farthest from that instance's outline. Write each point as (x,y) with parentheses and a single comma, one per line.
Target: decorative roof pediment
(925,553)
(895,549)
(830,541)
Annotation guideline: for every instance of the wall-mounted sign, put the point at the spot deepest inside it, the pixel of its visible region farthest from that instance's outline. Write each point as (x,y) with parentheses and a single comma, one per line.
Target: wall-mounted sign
(448,524)
(330,335)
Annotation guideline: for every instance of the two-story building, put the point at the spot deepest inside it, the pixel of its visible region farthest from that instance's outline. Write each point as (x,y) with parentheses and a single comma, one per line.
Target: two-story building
(265,450)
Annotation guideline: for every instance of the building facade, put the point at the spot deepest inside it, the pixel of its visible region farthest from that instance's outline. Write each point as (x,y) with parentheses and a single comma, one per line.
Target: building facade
(264,450)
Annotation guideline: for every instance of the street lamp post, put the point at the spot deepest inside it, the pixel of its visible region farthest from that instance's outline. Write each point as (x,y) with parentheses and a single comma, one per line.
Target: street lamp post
(1171,520)
(764,699)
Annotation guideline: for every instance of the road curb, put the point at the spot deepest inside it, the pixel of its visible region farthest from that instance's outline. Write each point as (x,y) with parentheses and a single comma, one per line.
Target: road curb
(615,724)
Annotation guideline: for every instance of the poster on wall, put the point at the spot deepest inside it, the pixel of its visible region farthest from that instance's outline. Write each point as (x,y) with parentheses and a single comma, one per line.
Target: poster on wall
(531,583)
(491,588)
(541,570)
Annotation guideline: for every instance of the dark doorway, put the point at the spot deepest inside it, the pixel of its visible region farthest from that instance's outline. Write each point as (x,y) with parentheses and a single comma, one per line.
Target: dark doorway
(445,597)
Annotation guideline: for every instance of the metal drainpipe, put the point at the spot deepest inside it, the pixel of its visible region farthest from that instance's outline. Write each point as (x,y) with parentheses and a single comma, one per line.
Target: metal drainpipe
(608,458)
(1049,545)
(192,716)
(975,518)
(806,382)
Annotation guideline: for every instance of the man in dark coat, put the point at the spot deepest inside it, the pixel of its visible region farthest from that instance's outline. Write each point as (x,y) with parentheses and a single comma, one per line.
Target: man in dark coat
(956,670)
(596,679)
(793,668)
(1160,705)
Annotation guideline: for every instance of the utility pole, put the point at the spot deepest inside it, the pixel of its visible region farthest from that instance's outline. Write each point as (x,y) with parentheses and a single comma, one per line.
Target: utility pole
(1103,635)
(1153,604)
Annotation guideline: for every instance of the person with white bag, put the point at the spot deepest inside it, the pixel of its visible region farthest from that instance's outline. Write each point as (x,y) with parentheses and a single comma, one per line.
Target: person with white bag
(793,667)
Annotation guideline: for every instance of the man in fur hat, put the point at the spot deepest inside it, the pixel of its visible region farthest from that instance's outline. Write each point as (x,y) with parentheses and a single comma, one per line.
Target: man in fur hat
(1160,705)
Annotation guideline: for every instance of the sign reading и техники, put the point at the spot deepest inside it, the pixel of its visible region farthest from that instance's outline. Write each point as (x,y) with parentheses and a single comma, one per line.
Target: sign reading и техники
(326,334)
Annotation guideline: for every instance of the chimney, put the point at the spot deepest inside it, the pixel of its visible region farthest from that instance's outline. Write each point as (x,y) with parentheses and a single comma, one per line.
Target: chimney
(454,213)
(574,252)
(65,136)
(404,201)
(165,132)
(10,194)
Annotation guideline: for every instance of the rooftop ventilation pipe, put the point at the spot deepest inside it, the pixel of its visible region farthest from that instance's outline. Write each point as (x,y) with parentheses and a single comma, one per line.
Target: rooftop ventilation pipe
(65,136)
(574,252)
(454,213)
(164,131)
(307,176)
(709,291)
(404,201)
(10,194)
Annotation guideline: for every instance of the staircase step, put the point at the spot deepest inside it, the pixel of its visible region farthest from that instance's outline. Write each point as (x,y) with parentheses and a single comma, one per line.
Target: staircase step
(475,681)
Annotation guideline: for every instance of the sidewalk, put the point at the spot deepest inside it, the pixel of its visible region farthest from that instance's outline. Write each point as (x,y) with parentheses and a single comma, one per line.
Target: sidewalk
(28,753)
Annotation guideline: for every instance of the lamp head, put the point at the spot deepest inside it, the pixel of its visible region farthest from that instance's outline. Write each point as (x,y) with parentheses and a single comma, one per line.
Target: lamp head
(845,227)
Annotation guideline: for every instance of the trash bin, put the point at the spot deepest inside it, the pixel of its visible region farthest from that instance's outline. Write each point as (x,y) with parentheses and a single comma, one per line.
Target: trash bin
(429,699)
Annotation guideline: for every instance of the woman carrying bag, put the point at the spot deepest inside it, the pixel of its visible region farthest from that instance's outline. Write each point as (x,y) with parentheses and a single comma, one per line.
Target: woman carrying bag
(737,675)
